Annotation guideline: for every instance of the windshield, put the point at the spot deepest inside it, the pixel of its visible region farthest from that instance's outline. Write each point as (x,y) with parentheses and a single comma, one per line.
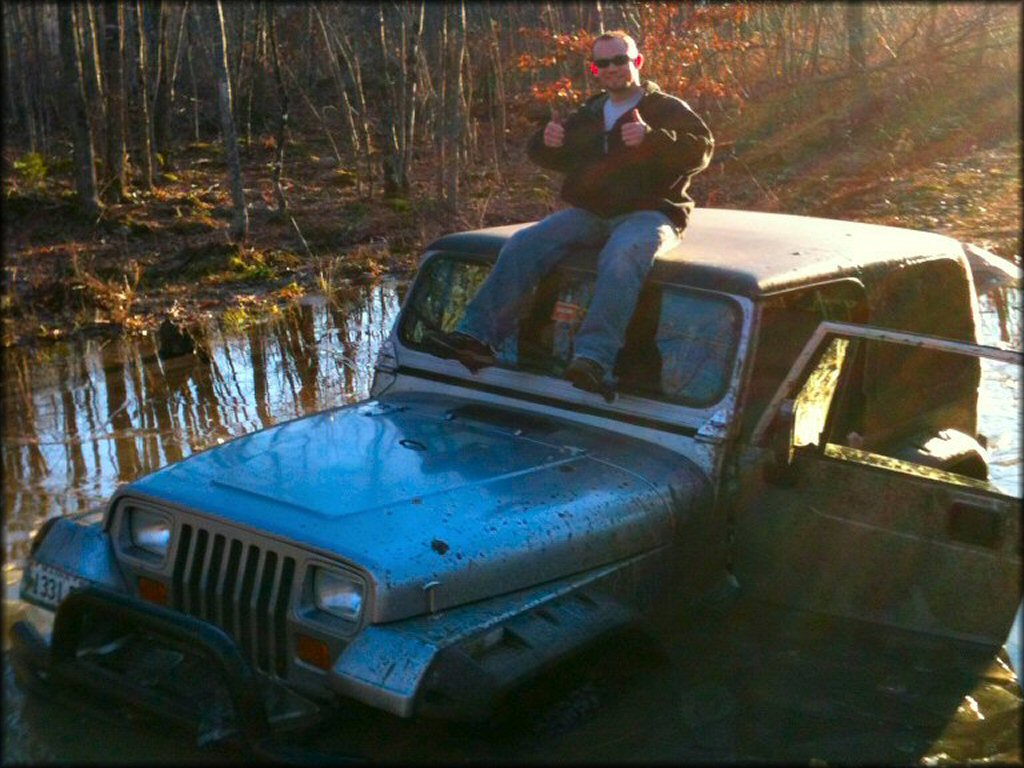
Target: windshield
(679,347)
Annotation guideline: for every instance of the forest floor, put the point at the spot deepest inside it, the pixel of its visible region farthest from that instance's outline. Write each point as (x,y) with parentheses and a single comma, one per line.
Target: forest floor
(906,160)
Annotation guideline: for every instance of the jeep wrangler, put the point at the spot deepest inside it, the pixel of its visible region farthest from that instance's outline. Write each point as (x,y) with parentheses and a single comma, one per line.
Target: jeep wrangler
(796,418)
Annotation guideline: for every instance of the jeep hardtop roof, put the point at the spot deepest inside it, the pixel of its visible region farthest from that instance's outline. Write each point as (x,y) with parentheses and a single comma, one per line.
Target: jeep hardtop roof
(753,254)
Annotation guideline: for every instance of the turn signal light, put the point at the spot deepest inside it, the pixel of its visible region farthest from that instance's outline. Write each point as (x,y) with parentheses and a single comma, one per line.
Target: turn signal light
(152,591)
(313,651)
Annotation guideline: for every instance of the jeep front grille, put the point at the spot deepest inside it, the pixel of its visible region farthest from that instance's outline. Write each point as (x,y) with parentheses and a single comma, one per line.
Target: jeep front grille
(240,587)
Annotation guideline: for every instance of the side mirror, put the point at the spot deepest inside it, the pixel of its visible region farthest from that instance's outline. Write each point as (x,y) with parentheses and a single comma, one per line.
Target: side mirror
(780,469)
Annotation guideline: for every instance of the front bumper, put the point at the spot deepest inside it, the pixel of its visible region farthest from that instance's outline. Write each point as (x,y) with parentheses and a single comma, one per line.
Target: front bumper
(454,664)
(149,658)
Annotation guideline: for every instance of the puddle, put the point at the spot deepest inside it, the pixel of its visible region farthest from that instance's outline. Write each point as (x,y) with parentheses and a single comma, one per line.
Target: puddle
(80,419)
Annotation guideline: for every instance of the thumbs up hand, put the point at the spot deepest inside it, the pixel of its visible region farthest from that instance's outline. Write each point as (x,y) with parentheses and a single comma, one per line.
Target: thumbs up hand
(634,132)
(554,133)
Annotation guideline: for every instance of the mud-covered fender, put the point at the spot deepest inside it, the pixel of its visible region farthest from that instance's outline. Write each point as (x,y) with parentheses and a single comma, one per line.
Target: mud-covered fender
(458,662)
(83,550)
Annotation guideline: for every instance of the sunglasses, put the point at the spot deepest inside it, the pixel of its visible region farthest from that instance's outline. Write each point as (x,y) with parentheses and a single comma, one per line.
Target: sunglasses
(618,61)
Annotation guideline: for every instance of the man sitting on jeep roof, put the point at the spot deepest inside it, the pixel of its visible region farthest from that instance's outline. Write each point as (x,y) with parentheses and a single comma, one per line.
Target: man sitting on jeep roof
(628,155)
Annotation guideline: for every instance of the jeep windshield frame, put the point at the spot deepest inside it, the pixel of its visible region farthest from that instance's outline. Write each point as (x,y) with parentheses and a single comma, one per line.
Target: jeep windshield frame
(680,348)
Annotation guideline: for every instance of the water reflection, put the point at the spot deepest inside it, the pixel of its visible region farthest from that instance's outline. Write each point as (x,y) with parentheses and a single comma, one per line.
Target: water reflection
(82,418)
(999,397)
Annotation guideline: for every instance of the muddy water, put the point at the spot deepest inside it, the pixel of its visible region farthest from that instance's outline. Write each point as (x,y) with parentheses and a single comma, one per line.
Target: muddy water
(80,419)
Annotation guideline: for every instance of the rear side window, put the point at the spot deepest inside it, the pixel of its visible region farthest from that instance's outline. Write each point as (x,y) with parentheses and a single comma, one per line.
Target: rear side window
(680,345)
(931,297)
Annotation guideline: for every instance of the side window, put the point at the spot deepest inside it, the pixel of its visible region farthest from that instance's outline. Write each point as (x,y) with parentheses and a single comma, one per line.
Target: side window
(931,297)
(696,342)
(787,321)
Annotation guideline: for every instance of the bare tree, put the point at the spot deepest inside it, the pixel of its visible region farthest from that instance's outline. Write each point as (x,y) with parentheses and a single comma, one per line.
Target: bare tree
(175,58)
(451,123)
(339,82)
(157,26)
(193,33)
(113,49)
(257,64)
(92,70)
(74,88)
(399,119)
(855,34)
(16,29)
(499,93)
(240,221)
(143,102)
(350,55)
(282,123)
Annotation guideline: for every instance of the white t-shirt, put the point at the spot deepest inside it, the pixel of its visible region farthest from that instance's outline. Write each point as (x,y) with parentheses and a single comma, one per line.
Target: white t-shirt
(613,112)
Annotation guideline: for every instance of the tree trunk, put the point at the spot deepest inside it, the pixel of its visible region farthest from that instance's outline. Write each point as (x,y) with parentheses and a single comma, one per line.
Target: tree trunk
(440,122)
(117,145)
(464,81)
(255,66)
(410,81)
(192,32)
(339,83)
(172,81)
(855,35)
(94,80)
(282,122)
(390,162)
(39,79)
(235,69)
(147,120)
(240,221)
(401,83)
(160,101)
(499,91)
(352,63)
(28,100)
(11,67)
(452,120)
(85,168)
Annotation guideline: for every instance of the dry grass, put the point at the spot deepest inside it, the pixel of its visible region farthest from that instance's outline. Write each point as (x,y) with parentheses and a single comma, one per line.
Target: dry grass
(112,299)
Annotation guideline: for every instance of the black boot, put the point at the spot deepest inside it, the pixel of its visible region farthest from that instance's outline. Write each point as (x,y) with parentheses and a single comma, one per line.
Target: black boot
(588,375)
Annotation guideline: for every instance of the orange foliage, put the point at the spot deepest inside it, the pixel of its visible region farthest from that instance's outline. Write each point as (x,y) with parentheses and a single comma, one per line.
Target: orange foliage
(683,47)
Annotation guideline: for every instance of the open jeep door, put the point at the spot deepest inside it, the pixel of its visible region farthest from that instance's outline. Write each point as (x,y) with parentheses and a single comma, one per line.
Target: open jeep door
(830,524)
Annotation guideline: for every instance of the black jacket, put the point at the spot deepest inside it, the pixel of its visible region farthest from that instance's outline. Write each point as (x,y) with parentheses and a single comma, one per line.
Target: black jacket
(607,178)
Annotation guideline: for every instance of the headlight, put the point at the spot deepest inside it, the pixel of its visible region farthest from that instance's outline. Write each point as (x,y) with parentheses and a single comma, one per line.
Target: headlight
(149,531)
(338,594)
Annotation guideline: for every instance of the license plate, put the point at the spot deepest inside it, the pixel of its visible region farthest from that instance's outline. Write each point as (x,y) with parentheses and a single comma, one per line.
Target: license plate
(46,585)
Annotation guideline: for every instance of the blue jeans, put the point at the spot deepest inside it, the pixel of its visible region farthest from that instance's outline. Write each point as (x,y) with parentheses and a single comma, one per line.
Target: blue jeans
(630,244)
